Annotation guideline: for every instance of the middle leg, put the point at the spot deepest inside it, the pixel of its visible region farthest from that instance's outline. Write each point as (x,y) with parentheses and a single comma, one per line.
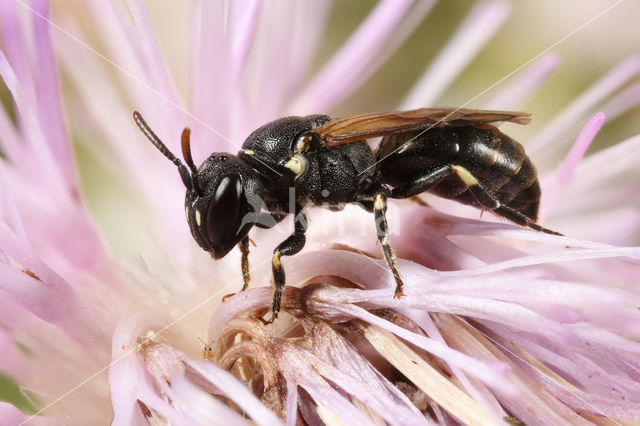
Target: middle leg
(422,183)
(492,203)
(379,210)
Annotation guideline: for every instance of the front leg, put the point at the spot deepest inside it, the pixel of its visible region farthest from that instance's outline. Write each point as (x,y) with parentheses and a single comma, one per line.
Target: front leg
(244,249)
(243,245)
(288,247)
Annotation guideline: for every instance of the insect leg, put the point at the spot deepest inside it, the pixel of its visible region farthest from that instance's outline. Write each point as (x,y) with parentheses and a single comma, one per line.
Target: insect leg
(379,209)
(288,247)
(520,219)
(422,183)
(243,245)
(491,202)
(244,249)
(269,220)
(419,201)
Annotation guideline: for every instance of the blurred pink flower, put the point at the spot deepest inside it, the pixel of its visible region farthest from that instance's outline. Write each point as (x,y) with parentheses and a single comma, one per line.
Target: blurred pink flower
(498,323)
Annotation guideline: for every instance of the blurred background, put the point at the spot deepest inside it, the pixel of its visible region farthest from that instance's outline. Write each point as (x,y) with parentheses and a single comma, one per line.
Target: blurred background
(531,28)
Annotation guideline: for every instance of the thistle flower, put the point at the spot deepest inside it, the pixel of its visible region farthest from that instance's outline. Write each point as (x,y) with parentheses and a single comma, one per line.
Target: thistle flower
(498,324)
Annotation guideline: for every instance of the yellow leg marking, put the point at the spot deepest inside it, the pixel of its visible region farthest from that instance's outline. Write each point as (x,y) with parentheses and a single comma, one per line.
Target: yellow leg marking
(465,175)
(378,204)
(276,260)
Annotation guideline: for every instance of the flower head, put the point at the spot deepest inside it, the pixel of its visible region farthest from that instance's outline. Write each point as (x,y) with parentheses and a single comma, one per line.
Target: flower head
(498,323)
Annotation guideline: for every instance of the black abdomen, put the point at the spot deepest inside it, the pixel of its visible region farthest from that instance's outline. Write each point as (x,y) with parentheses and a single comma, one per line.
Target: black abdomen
(498,162)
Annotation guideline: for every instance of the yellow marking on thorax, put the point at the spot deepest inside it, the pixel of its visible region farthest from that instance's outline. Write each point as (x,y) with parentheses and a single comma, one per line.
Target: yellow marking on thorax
(303,143)
(248,151)
(465,175)
(296,164)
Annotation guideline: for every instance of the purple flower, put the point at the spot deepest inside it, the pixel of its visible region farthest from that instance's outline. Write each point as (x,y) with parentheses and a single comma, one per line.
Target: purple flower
(498,323)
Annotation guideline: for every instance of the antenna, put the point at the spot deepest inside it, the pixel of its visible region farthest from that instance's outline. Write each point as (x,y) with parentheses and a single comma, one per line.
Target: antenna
(186,150)
(155,140)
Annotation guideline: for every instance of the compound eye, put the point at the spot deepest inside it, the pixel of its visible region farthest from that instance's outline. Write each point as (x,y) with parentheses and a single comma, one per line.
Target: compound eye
(224,215)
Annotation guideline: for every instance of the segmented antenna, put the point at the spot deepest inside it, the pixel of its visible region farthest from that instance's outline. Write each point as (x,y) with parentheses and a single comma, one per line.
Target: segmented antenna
(155,140)
(186,150)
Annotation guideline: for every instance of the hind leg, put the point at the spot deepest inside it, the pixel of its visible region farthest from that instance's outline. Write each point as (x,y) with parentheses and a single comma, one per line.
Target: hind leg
(481,194)
(422,183)
(491,202)
(520,219)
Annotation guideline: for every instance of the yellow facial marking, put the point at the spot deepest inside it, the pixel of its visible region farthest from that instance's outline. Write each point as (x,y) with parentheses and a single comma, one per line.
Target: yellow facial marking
(378,203)
(186,212)
(465,175)
(276,260)
(296,164)
(198,221)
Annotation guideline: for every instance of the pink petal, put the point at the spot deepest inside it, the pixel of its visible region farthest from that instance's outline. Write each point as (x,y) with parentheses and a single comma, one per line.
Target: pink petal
(579,400)
(12,359)
(243,26)
(156,66)
(47,86)
(490,373)
(477,391)
(477,29)
(292,403)
(128,379)
(167,365)
(622,102)
(236,391)
(309,25)
(356,376)
(311,380)
(10,415)
(567,169)
(622,154)
(10,207)
(34,132)
(202,406)
(342,72)
(210,44)
(515,93)
(580,147)
(15,42)
(539,146)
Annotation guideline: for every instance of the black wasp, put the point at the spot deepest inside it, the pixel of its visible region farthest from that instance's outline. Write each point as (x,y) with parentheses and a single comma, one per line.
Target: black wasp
(454,153)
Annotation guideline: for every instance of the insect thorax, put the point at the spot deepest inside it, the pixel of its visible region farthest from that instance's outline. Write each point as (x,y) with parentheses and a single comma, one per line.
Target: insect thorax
(332,176)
